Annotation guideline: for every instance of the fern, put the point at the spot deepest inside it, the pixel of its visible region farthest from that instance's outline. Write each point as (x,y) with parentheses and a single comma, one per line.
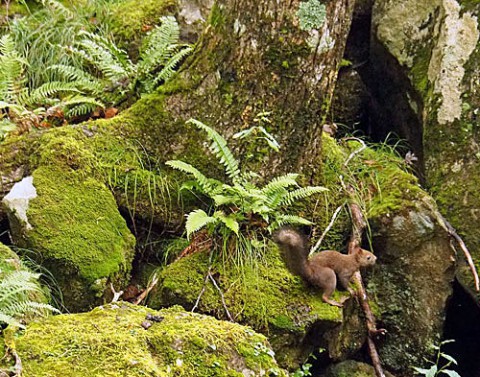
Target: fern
(282,220)
(111,67)
(220,149)
(169,69)
(196,220)
(19,292)
(207,185)
(301,193)
(242,206)
(48,90)
(11,70)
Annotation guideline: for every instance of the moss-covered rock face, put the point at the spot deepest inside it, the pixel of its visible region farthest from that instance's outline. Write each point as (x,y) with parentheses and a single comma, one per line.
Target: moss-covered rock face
(119,340)
(411,282)
(267,297)
(436,54)
(412,286)
(76,231)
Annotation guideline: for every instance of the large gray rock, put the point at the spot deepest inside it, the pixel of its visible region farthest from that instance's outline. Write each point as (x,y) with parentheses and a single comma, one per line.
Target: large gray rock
(412,286)
(425,55)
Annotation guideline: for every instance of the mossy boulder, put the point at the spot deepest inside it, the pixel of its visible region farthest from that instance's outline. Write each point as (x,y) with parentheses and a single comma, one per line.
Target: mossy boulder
(410,285)
(77,233)
(413,285)
(125,340)
(268,298)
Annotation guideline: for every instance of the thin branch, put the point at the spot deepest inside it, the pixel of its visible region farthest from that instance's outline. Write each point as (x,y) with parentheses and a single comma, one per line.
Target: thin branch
(358,227)
(197,302)
(144,294)
(453,233)
(222,297)
(355,152)
(327,229)
(116,295)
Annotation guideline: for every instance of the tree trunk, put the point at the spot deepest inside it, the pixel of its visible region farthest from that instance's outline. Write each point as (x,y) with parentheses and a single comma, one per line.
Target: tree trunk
(252,57)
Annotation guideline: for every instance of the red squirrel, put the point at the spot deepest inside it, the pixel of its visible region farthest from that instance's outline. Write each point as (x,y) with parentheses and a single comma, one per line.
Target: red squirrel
(322,268)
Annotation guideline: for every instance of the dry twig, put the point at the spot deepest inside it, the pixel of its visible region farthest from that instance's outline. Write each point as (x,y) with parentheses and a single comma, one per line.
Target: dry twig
(327,229)
(144,294)
(116,295)
(453,233)
(358,225)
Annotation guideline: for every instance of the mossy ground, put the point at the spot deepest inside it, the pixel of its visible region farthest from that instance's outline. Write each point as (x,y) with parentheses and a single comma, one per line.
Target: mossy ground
(380,179)
(110,341)
(265,296)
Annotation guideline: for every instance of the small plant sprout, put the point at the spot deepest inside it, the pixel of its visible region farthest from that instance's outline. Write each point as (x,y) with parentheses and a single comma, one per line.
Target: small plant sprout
(441,364)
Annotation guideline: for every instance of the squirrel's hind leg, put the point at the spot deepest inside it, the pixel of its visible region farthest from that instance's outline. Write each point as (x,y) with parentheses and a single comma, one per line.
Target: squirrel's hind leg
(326,279)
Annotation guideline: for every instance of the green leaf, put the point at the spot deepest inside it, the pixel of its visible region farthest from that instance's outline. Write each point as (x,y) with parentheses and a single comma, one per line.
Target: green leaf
(427,372)
(450,373)
(230,221)
(220,149)
(207,185)
(301,193)
(449,358)
(196,220)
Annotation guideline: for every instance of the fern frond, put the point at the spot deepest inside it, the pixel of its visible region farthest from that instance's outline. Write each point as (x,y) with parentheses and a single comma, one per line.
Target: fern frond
(156,52)
(220,149)
(281,182)
(230,221)
(11,70)
(10,321)
(18,291)
(47,90)
(80,78)
(207,185)
(196,220)
(107,44)
(169,69)
(301,193)
(102,59)
(282,220)
(80,105)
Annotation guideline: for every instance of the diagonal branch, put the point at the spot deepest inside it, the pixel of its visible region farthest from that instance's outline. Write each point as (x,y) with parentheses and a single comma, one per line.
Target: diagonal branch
(358,227)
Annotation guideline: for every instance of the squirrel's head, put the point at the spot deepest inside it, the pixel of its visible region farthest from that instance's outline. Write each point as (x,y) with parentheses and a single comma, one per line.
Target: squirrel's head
(365,257)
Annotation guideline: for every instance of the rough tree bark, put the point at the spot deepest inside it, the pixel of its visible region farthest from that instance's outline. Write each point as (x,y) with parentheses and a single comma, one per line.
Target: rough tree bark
(252,57)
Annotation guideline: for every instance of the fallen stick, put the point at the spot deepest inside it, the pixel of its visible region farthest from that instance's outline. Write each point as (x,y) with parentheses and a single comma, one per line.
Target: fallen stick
(358,226)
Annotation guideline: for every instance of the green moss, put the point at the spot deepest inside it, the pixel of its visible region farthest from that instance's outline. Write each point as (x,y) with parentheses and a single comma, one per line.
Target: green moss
(64,147)
(9,261)
(379,177)
(266,297)
(111,341)
(132,19)
(77,220)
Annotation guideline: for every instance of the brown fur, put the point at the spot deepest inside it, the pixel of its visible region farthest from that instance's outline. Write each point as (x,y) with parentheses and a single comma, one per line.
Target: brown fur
(322,269)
